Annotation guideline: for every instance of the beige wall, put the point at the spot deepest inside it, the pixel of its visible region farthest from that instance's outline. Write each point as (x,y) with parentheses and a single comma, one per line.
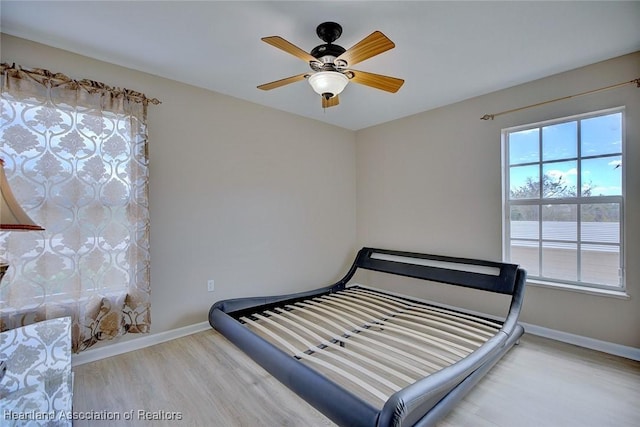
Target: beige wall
(265,202)
(259,200)
(432,183)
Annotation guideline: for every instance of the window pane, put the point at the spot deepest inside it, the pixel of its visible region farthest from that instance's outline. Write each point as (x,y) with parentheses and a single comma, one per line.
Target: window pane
(559,222)
(526,254)
(525,222)
(600,264)
(602,176)
(560,141)
(560,260)
(600,222)
(601,135)
(524,146)
(560,179)
(524,182)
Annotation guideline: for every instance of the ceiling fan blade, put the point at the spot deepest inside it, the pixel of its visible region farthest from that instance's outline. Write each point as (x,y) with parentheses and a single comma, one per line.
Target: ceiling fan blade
(282,44)
(282,82)
(378,81)
(331,102)
(372,45)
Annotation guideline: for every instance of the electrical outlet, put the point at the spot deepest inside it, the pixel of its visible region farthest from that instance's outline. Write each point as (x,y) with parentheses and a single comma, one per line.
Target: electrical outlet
(210,285)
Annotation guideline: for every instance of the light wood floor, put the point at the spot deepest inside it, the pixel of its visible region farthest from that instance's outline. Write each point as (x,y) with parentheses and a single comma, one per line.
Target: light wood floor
(209,382)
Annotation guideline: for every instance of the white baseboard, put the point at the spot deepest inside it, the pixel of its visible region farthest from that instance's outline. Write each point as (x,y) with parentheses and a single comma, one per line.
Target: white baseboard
(586,342)
(136,344)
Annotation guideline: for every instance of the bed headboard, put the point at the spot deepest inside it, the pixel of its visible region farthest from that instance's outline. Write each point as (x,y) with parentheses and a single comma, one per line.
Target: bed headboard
(472,273)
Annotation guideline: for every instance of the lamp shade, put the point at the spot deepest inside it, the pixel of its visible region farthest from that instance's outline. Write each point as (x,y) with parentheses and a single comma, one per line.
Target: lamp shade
(12,216)
(328,83)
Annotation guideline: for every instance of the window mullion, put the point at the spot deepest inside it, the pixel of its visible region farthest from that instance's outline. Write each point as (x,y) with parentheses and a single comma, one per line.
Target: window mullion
(540,195)
(579,242)
(579,207)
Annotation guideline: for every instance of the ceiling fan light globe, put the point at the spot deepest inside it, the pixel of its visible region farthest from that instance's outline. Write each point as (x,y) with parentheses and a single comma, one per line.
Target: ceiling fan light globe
(328,82)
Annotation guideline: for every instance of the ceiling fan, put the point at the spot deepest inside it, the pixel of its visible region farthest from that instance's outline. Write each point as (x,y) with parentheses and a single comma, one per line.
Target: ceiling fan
(330,63)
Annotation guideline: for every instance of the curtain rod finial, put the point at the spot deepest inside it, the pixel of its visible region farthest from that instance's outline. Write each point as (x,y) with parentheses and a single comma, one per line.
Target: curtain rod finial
(487,117)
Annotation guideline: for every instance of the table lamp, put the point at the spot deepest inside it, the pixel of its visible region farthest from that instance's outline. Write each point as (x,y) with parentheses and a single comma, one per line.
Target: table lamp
(12,216)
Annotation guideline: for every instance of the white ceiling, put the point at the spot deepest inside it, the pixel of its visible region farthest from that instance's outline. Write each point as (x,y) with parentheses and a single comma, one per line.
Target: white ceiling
(445,51)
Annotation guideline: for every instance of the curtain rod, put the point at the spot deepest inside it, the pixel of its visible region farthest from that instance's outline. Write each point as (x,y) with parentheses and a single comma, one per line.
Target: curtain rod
(46,77)
(493,116)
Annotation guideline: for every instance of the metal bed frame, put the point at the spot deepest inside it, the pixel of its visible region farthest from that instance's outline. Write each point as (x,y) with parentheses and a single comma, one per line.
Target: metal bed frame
(365,357)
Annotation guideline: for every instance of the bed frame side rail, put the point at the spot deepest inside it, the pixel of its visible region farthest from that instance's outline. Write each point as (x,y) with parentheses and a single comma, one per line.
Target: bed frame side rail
(444,388)
(316,389)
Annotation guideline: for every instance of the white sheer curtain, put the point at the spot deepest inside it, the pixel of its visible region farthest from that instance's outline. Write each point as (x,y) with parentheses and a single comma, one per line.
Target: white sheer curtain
(75,156)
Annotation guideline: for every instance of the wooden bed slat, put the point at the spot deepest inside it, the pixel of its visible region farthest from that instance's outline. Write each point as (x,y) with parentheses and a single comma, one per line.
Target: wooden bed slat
(429,339)
(283,315)
(294,351)
(363,384)
(373,318)
(355,334)
(458,317)
(439,326)
(366,328)
(492,324)
(439,318)
(445,324)
(312,347)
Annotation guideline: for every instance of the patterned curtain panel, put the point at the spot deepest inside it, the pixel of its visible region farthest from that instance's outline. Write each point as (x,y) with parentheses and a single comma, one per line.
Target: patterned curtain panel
(75,158)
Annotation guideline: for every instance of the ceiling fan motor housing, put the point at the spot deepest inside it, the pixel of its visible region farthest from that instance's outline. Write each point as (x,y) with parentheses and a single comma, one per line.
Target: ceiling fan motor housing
(326,55)
(328,52)
(332,50)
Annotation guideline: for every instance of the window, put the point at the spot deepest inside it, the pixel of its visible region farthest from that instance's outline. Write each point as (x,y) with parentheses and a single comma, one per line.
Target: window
(75,157)
(564,198)
(76,183)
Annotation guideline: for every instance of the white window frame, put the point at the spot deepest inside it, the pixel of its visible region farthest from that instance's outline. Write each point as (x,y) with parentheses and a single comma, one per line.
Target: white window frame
(507,203)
